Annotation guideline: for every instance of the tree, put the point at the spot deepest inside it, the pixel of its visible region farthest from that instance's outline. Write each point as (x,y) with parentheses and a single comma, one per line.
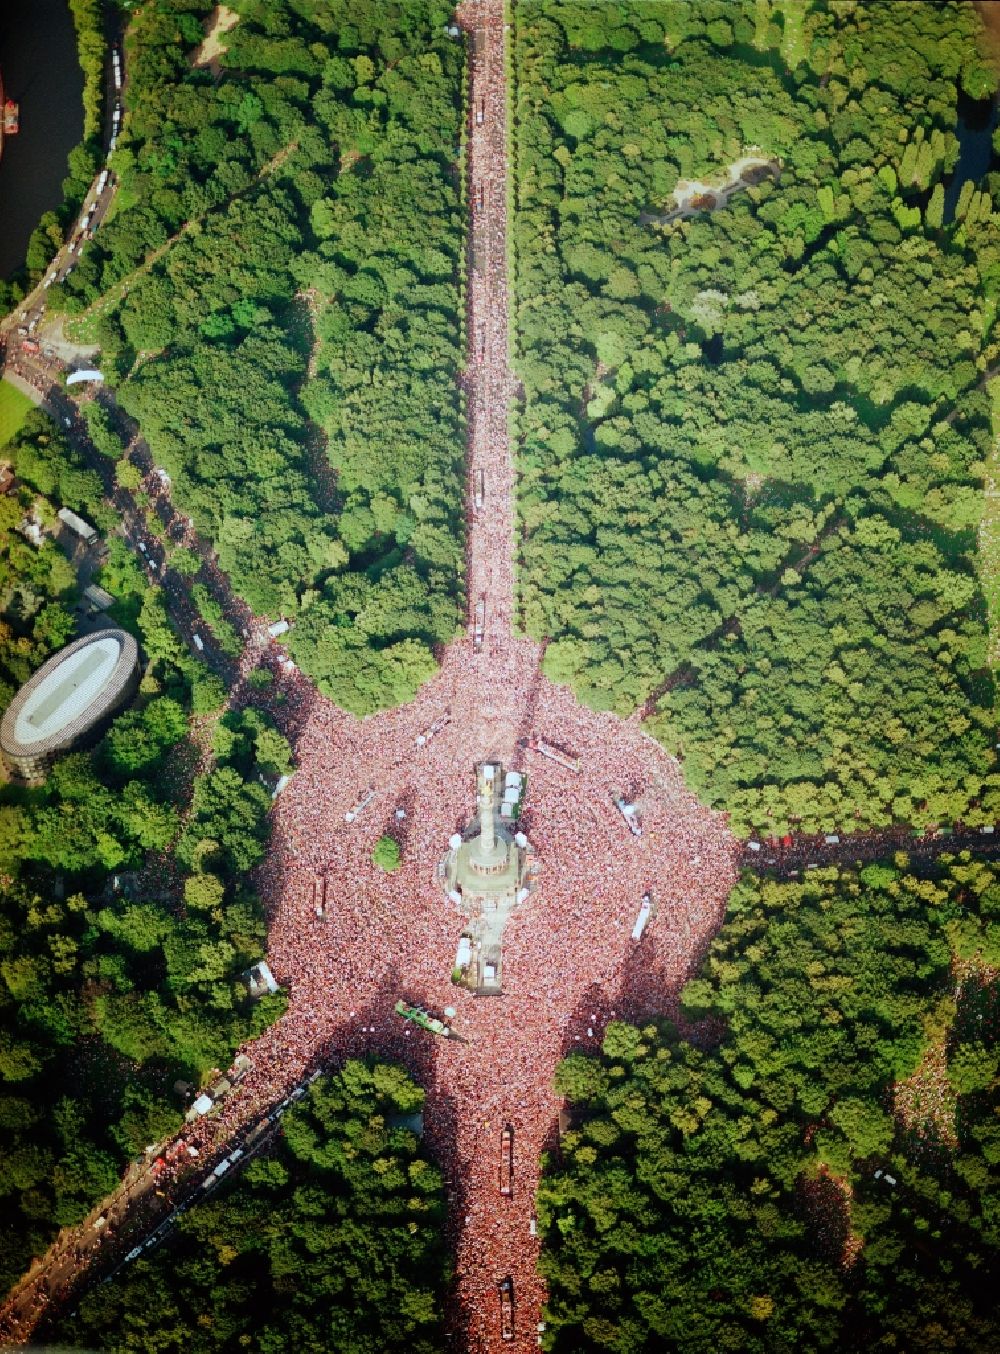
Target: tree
(218,309)
(973,1067)
(203,891)
(706,1195)
(386,854)
(334,1237)
(671,540)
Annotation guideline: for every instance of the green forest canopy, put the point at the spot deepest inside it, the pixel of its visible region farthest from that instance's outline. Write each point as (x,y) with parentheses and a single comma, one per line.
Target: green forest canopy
(330,1241)
(290,240)
(109,992)
(764,1192)
(752,442)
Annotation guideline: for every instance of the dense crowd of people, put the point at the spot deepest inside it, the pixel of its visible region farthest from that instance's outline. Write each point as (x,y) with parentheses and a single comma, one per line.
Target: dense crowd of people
(570,964)
(926,1102)
(488,378)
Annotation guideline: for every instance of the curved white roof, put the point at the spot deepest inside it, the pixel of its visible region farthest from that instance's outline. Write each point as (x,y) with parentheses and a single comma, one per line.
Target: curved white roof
(69,693)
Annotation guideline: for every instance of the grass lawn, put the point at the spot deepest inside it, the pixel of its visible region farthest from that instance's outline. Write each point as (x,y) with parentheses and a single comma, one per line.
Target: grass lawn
(13,409)
(81,328)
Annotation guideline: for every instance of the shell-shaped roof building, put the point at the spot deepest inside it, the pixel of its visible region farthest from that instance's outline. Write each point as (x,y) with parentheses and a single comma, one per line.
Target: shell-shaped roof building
(79,687)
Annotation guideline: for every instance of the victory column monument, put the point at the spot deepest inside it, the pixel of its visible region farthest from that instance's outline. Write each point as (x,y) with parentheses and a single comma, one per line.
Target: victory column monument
(487,873)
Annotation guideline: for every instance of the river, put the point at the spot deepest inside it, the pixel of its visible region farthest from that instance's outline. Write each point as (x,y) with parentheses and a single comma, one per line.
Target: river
(976,122)
(42,74)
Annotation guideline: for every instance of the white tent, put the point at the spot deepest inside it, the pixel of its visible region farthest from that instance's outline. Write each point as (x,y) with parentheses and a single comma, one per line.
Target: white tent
(261,979)
(77,524)
(86,374)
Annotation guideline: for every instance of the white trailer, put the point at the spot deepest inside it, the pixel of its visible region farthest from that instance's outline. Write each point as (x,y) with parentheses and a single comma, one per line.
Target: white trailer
(642,920)
(76,524)
(631,815)
(362,803)
(554,754)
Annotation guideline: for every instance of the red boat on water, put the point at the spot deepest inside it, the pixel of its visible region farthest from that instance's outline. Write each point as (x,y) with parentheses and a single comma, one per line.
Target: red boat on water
(9,113)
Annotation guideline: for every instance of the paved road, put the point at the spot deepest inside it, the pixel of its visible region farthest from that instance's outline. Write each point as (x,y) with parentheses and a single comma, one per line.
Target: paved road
(40,378)
(795,855)
(141,1213)
(24,322)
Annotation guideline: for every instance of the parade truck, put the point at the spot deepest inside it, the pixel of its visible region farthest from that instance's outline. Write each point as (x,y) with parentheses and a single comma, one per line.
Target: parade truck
(507,1161)
(553,753)
(630,813)
(418,1016)
(507,1309)
(643,919)
(9,116)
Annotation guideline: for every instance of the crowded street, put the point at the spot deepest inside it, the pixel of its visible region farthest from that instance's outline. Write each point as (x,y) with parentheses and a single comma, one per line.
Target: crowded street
(570,964)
